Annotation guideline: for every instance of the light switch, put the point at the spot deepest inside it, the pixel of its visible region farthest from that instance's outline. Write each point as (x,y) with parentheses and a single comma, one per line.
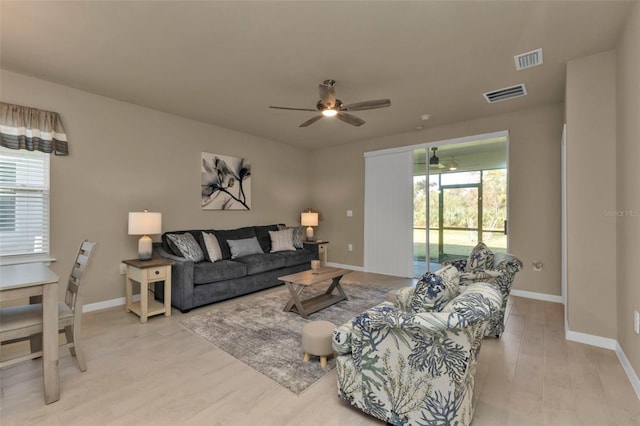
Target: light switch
(349,213)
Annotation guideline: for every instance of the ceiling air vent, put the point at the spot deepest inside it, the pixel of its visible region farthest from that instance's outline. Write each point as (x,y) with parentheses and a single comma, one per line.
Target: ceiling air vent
(528,59)
(506,93)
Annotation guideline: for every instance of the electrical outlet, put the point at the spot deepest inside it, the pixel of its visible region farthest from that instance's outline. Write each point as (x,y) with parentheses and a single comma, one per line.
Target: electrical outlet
(350,247)
(349,213)
(636,322)
(537,266)
(123,269)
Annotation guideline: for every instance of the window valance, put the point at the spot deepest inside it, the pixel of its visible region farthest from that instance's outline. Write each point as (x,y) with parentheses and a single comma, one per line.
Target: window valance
(32,129)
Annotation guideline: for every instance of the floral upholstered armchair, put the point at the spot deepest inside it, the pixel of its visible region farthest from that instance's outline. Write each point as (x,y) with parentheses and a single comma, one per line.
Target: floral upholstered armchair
(499,269)
(414,362)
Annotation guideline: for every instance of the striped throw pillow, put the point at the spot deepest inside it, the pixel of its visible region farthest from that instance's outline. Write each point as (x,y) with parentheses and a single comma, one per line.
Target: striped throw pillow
(282,240)
(213,246)
(298,234)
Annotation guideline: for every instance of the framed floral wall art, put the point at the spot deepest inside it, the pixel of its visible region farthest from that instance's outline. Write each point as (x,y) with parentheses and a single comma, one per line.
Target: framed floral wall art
(226,182)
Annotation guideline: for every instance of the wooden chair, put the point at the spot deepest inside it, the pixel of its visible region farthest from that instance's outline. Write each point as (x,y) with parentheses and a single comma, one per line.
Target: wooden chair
(21,323)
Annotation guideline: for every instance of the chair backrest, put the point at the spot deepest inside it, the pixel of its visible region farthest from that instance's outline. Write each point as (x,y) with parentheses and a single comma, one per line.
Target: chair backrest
(78,270)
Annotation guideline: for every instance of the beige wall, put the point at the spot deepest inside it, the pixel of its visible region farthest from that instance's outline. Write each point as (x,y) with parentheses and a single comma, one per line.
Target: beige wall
(127,158)
(628,182)
(534,189)
(591,182)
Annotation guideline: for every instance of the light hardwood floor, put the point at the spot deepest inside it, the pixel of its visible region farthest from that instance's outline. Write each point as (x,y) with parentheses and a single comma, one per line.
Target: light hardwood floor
(161,374)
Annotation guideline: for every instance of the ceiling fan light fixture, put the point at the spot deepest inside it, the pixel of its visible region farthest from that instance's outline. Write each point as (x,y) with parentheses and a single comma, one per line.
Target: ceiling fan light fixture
(453,165)
(329,112)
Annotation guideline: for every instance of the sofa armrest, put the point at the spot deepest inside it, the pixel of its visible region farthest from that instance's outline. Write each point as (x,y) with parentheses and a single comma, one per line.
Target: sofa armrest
(181,279)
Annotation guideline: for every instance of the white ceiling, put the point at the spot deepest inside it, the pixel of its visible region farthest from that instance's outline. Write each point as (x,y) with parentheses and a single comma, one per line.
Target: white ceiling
(224,63)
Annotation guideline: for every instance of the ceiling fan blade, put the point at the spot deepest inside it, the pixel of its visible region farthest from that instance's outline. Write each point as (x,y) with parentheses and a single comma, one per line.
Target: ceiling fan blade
(293,109)
(350,119)
(311,121)
(361,106)
(327,93)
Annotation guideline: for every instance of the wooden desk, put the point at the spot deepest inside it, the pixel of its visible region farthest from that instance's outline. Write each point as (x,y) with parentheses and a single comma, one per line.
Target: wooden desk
(36,279)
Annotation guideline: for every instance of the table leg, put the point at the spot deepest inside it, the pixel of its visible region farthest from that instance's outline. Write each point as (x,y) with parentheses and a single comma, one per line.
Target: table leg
(339,288)
(335,284)
(144,301)
(50,365)
(128,291)
(295,299)
(167,296)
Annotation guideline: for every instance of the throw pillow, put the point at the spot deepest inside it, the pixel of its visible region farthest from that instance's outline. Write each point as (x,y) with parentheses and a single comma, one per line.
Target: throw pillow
(282,240)
(244,247)
(481,258)
(298,234)
(213,247)
(187,246)
(450,278)
(431,294)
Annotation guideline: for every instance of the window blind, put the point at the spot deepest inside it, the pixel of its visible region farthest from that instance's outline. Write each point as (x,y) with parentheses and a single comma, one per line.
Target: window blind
(388,213)
(24,205)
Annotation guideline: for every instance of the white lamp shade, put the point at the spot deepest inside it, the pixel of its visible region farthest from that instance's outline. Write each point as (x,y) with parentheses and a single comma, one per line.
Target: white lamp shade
(309,219)
(145,223)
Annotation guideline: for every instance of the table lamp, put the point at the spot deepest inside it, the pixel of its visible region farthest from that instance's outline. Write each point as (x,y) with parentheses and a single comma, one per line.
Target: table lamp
(145,223)
(309,219)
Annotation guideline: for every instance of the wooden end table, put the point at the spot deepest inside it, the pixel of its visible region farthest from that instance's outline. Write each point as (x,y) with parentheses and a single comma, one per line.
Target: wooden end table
(319,248)
(297,283)
(148,272)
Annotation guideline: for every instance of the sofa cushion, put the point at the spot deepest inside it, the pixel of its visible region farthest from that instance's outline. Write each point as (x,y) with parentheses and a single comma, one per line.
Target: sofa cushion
(185,245)
(298,235)
(262,232)
(213,251)
(257,263)
(481,257)
(282,240)
(224,235)
(207,272)
(434,291)
(244,247)
(298,257)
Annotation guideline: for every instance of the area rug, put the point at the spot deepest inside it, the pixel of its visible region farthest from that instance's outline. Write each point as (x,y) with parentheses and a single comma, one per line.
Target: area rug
(259,333)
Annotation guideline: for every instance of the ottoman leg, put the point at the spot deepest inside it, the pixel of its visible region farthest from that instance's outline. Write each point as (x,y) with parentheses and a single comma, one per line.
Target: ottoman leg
(306,357)
(323,361)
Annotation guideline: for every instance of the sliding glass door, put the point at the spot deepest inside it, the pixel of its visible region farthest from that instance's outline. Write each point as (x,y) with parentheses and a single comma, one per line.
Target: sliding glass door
(460,198)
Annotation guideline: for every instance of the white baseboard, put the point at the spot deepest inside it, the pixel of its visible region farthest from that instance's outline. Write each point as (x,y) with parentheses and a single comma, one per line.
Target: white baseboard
(606,343)
(120,301)
(633,377)
(537,296)
(590,339)
(340,265)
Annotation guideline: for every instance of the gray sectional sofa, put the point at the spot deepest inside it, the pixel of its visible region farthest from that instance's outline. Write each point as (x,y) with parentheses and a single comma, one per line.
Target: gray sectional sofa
(195,284)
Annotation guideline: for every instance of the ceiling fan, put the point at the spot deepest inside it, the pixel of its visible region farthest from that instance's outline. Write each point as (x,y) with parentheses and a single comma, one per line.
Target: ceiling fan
(434,161)
(330,106)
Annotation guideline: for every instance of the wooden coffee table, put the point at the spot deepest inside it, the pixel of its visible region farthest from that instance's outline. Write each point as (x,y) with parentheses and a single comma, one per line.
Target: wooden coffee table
(297,283)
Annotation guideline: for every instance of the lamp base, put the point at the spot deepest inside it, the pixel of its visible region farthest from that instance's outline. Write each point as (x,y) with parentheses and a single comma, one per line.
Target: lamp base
(145,247)
(310,234)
